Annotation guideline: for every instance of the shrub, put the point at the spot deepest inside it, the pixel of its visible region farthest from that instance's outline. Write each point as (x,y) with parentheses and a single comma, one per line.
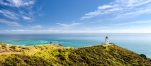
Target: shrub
(3,44)
(143,56)
(60,44)
(13,47)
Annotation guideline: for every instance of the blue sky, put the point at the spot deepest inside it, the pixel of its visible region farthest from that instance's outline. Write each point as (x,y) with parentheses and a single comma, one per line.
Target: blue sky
(70,16)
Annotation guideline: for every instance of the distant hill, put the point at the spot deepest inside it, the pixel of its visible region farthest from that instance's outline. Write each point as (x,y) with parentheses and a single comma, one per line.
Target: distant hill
(56,55)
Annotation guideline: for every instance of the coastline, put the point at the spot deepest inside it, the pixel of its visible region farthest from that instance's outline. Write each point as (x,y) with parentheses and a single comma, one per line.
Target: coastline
(32,48)
(128,40)
(17,49)
(47,54)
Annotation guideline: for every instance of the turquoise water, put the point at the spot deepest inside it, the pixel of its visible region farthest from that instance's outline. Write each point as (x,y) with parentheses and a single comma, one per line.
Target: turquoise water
(139,43)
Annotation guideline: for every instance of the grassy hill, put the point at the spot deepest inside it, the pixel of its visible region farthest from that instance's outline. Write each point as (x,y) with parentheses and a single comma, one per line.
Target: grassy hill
(56,55)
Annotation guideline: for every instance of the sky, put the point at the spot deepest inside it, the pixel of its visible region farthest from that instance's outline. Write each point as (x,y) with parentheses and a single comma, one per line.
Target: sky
(75,16)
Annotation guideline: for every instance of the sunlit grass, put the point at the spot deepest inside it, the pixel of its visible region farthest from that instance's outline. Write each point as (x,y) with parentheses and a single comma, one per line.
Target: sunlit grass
(57,55)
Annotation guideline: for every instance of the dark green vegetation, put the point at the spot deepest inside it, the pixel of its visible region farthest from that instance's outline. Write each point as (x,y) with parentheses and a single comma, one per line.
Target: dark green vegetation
(99,55)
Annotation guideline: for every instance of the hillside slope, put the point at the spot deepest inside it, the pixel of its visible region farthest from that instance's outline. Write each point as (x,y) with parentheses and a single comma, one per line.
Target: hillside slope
(99,55)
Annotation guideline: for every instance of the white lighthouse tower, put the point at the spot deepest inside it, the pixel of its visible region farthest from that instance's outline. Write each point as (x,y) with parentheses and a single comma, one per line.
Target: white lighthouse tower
(106,40)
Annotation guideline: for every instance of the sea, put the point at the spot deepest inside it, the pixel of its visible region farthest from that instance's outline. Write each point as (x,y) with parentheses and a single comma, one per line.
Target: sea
(137,42)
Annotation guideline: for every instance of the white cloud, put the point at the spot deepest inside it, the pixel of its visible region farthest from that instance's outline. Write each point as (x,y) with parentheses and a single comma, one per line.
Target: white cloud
(27,15)
(9,23)
(23,9)
(37,26)
(91,14)
(135,22)
(105,7)
(13,15)
(103,27)
(134,13)
(26,18)
(17,3)
(68,25)
(131,3)
(124,7)
(18,30)
(144,30)
(9,14)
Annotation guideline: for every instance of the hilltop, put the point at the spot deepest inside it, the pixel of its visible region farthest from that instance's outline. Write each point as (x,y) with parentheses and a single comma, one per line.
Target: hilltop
(57,55)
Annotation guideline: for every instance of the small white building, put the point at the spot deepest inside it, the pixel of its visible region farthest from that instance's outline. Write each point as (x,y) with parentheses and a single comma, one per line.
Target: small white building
(106,40)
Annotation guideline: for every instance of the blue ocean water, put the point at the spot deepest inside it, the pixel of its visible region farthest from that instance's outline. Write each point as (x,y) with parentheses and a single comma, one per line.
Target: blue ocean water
(137,42)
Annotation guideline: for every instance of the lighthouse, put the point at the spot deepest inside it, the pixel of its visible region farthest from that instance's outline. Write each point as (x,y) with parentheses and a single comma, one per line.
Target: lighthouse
(106,40)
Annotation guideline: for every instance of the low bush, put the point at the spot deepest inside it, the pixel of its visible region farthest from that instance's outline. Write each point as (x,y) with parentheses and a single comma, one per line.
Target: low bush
(143,56)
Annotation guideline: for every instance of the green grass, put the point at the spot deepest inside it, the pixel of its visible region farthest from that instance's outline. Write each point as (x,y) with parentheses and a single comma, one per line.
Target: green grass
(56,55)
